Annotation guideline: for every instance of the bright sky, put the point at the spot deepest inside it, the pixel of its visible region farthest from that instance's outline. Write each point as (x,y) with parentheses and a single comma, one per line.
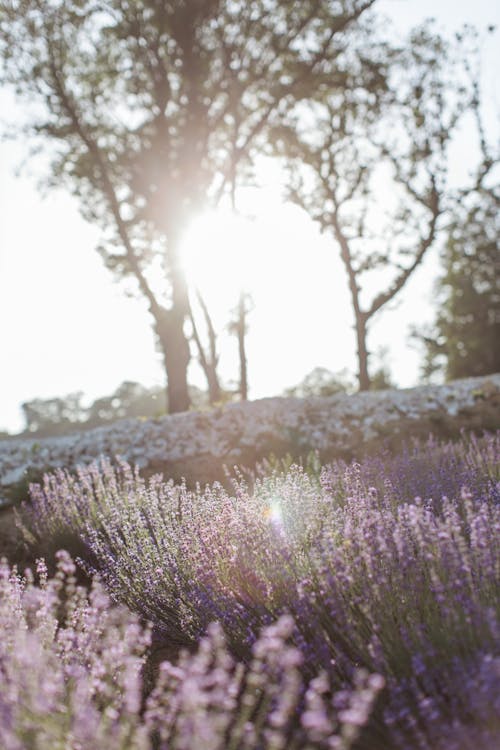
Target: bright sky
(65,326)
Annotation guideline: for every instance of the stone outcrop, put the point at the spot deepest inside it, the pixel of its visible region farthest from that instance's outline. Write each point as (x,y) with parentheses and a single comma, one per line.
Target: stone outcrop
(197,445)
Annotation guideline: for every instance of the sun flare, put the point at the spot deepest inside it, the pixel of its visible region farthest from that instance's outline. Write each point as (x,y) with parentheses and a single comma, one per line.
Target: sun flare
(219,254)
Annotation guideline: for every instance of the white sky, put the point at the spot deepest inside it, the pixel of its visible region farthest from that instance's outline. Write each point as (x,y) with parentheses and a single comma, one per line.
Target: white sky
(66,326)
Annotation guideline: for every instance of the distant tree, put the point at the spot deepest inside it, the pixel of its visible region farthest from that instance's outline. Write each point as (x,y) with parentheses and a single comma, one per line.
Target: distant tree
(370,164)
(150,110)
(129,400)
(321,382)
(54,416)
(381,380)
(57,416)
(464,340)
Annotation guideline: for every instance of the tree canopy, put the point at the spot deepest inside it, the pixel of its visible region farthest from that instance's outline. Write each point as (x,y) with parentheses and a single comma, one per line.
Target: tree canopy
(152,111)
(465,338)
(372,170)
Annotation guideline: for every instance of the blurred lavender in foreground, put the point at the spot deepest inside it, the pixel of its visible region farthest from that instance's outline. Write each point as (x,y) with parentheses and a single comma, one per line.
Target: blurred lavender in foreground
(71,677)
(70,664)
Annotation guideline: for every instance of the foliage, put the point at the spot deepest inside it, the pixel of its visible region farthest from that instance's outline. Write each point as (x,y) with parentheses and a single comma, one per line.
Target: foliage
(463,342)
(152,112)
(57,416)
(405,587)
(129,400)
(72,676)
(53,415)
(321,382)
(381,377)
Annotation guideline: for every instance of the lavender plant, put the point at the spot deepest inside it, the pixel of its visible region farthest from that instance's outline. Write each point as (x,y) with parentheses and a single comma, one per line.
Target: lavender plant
(374,578)
(65,502)
(70,667)
(433,469)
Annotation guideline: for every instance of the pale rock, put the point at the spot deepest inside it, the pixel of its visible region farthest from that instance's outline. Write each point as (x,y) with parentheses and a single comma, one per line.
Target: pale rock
(336,425)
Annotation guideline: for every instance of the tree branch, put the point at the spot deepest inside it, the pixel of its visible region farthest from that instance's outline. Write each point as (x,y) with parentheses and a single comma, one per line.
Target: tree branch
(69,108)
(424,245)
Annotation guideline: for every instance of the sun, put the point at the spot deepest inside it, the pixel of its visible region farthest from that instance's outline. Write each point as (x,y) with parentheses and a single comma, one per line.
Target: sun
(218,254)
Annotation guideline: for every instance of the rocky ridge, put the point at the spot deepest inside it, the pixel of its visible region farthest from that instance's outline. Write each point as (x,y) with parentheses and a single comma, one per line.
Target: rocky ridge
(198,444)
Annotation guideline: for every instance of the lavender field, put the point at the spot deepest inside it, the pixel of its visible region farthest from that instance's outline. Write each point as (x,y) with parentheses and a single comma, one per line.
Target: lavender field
(338,606)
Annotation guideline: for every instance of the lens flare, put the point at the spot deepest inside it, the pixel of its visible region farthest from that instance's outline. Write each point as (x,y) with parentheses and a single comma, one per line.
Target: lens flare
(274,513)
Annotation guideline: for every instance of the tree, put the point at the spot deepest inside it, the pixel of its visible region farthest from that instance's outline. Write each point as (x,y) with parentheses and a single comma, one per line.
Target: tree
(464,340)
(54,416)
(238,326)
(321,382)
(60,415)
(152,109)
(129,400)
(370,165)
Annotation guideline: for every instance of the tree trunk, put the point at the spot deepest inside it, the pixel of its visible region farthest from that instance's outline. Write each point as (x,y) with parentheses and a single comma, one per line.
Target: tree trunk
(176,356)
(208,362)
(240,332)
(174,342)
(363,376)
(214,389)
(360,316)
